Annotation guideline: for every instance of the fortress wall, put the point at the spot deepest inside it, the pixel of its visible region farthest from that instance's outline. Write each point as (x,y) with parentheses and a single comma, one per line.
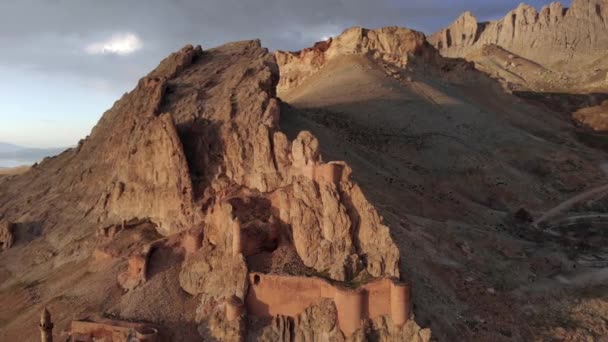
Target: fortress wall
(349,305)
(323,173)
(271,295)
(330,173)
(400,303)
(377,301)
(113,330)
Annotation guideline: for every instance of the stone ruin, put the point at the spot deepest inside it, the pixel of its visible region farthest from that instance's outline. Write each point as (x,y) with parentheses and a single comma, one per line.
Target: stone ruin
(196,149)
(90,330)
(271,295)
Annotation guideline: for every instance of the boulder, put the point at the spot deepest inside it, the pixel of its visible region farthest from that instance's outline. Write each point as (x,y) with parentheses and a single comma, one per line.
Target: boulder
(7,238)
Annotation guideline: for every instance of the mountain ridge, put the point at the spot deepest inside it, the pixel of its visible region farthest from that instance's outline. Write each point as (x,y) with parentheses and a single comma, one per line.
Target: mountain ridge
(554,36)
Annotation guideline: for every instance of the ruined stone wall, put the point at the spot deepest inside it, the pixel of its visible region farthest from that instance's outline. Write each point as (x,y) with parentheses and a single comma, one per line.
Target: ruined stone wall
(271,295)
(328,173)
(116,331)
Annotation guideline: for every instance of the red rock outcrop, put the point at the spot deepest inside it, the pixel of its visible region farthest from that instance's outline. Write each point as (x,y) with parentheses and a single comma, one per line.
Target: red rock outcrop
(393,45)
(131,165)
(556,36)
(196,152)
(6,235)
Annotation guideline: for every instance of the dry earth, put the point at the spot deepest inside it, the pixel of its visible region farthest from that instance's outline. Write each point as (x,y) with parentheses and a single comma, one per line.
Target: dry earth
(450,158)
(494,198)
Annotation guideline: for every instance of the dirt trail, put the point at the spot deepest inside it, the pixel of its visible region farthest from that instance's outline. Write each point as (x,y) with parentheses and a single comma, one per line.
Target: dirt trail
(567,204)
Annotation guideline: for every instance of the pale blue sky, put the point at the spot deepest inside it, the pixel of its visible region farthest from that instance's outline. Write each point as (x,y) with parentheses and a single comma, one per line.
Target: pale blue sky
(41,110)
(64,62)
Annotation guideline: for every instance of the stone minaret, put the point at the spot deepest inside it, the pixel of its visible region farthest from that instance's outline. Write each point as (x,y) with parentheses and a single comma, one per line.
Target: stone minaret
(46,326)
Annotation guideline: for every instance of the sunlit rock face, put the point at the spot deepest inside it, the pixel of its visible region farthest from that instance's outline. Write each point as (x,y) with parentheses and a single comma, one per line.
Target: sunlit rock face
(554,36)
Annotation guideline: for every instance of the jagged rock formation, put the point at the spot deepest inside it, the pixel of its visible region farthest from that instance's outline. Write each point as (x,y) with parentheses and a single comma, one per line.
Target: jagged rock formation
(132,165)
(192,166)
(558,37)
(449,157)
(398,51)
(393,45)
(556,50)
(7,238)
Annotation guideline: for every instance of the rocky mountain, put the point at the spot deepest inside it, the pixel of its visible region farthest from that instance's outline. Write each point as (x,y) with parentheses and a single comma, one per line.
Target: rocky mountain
(184,190)
(555,36)
(556,56)
(356,190)
(459,168)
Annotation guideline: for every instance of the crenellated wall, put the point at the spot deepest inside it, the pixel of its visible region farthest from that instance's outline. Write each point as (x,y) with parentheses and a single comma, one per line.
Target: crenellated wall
(271,295)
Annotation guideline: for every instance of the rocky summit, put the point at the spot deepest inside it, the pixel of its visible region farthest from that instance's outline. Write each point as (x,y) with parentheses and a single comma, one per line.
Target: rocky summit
(555,56)
(379,185)
(184,187)
(555,35)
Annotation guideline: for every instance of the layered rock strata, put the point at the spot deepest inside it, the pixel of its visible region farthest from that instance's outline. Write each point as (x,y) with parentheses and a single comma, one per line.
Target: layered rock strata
(392,45)
(555,36)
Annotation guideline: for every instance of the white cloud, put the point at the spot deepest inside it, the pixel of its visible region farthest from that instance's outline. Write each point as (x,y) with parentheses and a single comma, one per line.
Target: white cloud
(118,44)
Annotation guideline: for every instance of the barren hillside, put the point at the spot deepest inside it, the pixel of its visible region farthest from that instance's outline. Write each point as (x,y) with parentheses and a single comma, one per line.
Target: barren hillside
(560,37)
(187,214)
(363,189)
(460,169)
(556,56)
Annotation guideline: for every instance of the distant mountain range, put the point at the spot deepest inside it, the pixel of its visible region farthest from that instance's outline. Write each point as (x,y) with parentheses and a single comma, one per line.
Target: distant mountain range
(11,154)
(6,147)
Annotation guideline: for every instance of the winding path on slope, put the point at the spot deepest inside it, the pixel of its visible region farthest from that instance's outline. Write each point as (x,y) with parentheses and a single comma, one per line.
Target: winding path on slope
(567,204)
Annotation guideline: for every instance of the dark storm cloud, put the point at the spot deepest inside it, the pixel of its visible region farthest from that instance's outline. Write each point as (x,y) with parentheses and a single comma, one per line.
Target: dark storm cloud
(50,36)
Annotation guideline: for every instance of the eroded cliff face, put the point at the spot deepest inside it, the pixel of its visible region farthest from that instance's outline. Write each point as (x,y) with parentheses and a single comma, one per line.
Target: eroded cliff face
(393,45)
(196,150)
(132,165)
(556,36)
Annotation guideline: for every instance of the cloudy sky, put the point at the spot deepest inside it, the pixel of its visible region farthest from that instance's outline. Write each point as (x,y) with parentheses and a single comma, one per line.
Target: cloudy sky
(64,62)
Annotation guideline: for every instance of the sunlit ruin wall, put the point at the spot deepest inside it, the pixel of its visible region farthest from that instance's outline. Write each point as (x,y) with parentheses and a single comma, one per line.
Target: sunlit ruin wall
(111,330)
(271,295)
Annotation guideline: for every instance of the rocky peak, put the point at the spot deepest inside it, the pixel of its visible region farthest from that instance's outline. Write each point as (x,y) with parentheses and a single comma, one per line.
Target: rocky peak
(197,152)
(393,45)
(553,35)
